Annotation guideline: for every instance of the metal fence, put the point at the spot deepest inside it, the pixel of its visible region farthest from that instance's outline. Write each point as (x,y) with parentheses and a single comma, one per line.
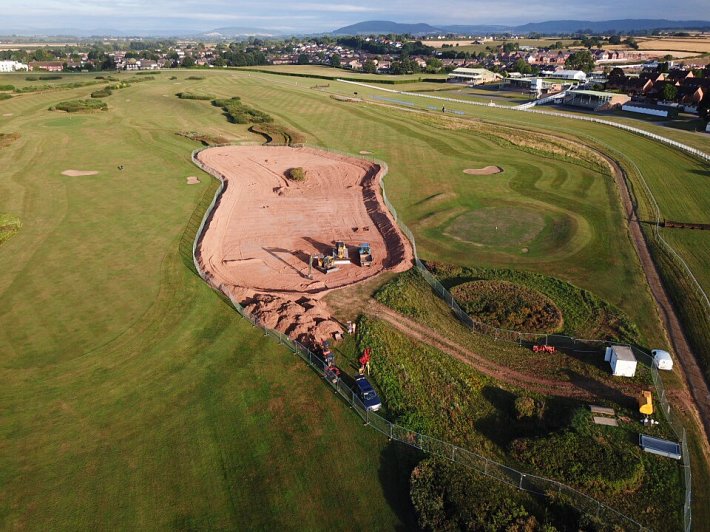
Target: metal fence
(523,481)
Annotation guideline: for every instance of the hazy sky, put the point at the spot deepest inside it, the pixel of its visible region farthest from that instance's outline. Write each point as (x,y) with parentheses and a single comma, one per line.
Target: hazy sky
(322,15)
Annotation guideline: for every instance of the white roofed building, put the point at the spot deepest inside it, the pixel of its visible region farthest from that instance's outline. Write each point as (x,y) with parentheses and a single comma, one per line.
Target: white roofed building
(472,76)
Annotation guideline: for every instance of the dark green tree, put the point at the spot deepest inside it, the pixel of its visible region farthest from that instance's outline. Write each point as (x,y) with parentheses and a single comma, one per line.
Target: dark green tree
(581,60)
(335,61)
(669,92)
(302,59)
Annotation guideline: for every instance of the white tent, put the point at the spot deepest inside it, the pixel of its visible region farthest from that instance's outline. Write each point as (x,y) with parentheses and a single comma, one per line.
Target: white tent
(662,359)
(622,360)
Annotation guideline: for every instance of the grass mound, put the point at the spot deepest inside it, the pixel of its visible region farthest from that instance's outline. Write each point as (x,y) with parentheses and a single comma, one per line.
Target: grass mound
(498,226)
(205,139)
(102,93)
(277,134)
(508,306)
(296,174)
(239,113)
(8,138)
(80,106)
(192,96)
(585,315)
(9,225)
(5,96)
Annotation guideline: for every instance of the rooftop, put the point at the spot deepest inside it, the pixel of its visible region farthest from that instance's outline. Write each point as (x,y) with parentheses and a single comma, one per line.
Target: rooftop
(624,353)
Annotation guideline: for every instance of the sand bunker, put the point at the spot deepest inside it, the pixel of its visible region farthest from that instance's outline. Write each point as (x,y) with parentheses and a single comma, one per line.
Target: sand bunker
(488,170)
(192,180)
(7,114)
(256,246)
(79,173)
(365,152)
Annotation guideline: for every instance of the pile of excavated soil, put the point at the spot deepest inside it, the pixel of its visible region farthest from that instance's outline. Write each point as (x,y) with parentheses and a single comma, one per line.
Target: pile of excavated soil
(79,173)
(192,180)
(488,170)
(257,244)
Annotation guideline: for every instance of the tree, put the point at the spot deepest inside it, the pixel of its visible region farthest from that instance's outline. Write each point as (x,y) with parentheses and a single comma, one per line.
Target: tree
(581,60)
(614,39)
(522,66)
(335,61)
(670,92)
(369,67)
(187,62)
(302,59)
(631,43)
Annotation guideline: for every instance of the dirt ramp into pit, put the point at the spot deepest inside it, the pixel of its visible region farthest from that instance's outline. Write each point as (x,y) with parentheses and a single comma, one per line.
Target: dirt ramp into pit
(265,227)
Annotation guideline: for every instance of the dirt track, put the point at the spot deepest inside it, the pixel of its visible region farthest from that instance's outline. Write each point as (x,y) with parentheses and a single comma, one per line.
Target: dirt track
(694,378)
(258,242)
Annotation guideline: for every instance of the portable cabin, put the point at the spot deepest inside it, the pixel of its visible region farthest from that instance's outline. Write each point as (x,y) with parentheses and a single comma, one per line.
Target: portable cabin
(662,359)
(622,360)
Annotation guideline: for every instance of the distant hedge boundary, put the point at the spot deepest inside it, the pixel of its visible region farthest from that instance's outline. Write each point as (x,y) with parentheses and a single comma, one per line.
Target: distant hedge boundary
(346,78)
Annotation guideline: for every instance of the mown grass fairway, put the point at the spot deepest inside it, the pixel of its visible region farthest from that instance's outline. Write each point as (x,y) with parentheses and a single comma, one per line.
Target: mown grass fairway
(127,379)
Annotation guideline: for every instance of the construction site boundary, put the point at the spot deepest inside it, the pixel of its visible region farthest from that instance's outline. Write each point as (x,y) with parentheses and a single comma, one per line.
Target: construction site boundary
(523,481)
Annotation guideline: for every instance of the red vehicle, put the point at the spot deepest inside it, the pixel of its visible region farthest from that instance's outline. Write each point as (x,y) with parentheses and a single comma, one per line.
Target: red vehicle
(544,349)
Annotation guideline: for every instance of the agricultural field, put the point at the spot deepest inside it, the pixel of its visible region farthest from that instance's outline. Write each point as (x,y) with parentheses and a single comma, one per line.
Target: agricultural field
(149,379)
(329,72)
(700,44)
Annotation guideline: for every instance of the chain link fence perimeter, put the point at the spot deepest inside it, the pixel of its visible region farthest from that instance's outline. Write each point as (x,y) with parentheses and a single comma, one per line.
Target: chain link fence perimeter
(428,444)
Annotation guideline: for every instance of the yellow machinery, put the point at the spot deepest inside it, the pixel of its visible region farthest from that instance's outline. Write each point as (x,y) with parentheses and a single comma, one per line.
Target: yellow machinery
(646,403)
(340,253)
(325,263)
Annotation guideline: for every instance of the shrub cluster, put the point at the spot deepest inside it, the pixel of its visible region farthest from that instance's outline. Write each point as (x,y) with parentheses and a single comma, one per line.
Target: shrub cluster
(5,96)
(192,96)
(240,113)
(102,93)
(508,306)
(75,106)
(296,174)
(7,87)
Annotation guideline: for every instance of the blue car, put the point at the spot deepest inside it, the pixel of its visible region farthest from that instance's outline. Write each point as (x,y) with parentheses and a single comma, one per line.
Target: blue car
(367,394)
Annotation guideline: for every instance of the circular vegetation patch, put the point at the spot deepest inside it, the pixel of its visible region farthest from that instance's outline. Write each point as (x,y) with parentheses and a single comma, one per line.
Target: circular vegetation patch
(497,226)
(509,306)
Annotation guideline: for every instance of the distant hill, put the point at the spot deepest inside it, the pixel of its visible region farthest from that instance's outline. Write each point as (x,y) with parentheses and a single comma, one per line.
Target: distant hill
(624,25)
(377,27)
(238,31)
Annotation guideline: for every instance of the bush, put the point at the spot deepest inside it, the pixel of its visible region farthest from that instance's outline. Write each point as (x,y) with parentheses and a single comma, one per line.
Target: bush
(195,78)
(527,407)
(239,113)
(49,77)
(31,78)
(5,96)
(102,93)
(191,96)
(7,87)
(296,174)
(76,106)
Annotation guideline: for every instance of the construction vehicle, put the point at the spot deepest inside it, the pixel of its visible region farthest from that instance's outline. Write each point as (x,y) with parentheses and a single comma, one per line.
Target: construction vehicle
(365,254)
(340,253)
(325,263)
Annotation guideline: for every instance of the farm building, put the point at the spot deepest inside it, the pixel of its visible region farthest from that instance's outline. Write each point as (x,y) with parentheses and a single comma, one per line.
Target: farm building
(622,360)
(649,109)
(595,100)
(662,359)
(472,76)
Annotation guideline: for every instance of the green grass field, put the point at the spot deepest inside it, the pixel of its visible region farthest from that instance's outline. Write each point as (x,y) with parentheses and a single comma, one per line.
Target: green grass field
(126,378)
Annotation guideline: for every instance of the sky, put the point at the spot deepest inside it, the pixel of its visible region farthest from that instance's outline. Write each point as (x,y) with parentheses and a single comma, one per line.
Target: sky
(309,16)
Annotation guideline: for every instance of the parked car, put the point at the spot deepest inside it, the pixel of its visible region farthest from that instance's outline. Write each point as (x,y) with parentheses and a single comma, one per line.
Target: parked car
(367,393)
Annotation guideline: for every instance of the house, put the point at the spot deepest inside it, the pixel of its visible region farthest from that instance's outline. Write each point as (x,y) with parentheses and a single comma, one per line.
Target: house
(12,66)
(622,360)
(595,100)
(49,66)
(472,76)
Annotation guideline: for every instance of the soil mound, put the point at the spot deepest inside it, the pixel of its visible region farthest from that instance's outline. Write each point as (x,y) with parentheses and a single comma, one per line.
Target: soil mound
(192,180)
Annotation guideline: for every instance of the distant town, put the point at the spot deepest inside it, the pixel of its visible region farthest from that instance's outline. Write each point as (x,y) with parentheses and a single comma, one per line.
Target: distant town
(595,72)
